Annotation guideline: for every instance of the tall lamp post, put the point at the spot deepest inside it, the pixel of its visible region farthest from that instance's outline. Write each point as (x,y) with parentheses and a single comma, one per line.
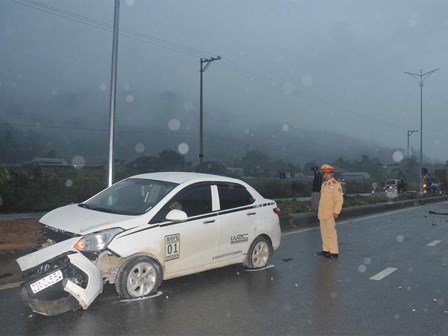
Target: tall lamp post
(421,78)
(113,90)
(205,62)
(410,132)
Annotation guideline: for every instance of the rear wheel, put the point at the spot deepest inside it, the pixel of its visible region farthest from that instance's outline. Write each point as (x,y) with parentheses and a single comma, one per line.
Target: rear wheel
(259,253)
(138,277)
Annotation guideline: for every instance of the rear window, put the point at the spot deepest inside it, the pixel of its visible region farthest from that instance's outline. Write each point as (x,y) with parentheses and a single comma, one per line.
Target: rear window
(233,196)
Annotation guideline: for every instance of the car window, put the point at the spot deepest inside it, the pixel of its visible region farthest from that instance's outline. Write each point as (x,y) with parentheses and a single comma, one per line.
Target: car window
(233,195)
(194,200)
(130,197)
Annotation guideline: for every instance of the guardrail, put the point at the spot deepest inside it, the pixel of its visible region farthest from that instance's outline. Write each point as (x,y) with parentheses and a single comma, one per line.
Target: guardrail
(307,219)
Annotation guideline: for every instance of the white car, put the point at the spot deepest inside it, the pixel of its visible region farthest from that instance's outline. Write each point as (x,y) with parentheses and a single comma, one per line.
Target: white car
(145,229)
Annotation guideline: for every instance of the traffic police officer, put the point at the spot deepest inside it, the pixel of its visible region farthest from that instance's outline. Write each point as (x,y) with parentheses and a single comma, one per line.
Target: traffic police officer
(330,206)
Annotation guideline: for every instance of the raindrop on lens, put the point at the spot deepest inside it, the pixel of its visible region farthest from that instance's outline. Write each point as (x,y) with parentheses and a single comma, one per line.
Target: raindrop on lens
(103,86)
(400,238)
(69,183)
(130,98)
(139,148)
(78,162)
(285,128)
(174,124)
(183,148)
(367,261)
(126,87)
(362,268)
(398,156)
(130,3)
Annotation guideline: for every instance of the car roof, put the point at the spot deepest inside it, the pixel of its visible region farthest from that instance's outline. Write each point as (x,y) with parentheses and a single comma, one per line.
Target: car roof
(182,177)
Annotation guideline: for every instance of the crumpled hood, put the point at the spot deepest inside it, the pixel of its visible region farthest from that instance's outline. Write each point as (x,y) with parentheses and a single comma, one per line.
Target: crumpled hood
(75,219)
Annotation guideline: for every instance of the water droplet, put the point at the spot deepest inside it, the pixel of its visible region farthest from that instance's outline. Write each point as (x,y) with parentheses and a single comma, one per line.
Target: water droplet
(139,148)
(400,238)
(130,98)
(398,156)
(362,268)
(130,3)
(396,316)
(103,86)
(69,183)
(285,128)
(174,124)
(183,148)
(78,162)
(247,131)
(367,261)
(126,87)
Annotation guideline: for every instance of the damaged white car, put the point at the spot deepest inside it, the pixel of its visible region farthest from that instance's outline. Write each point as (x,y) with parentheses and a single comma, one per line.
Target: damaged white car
(145,229)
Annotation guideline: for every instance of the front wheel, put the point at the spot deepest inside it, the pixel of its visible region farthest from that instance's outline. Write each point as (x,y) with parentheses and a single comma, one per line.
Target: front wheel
(138,277)
(259,253)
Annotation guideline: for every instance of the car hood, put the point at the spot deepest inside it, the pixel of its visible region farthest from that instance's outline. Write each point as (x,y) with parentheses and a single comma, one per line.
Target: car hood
(75,219)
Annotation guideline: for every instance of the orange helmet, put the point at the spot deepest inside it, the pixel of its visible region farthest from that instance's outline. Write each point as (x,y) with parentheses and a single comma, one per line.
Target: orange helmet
(326,168)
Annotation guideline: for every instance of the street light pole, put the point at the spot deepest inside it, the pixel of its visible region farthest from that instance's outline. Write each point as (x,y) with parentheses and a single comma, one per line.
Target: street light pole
(113,90)
(421,78)
(410,132)
(204,65)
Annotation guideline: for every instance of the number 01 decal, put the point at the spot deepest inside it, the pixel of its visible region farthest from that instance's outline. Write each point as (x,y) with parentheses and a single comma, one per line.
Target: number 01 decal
(172,247)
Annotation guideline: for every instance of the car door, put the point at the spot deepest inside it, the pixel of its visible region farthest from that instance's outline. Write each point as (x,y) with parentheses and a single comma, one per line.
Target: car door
(189,245)
(237,220)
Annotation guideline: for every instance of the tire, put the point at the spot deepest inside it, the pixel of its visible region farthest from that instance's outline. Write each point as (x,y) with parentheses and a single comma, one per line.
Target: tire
(138,277)
(259,253)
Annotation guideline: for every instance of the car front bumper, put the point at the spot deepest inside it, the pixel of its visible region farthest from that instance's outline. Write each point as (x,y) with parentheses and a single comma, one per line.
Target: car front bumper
(78,281)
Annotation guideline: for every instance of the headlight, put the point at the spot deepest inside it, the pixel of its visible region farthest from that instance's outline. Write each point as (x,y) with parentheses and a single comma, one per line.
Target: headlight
(97,241)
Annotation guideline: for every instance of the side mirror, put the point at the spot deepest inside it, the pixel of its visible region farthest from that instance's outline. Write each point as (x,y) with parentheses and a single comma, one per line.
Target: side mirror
(176,215)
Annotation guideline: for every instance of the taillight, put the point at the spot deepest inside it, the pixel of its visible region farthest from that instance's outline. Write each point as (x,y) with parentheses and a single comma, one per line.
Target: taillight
(277,211)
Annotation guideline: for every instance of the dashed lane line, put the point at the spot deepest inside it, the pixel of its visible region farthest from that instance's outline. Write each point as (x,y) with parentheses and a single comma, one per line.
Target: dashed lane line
(434,243)
(384,273)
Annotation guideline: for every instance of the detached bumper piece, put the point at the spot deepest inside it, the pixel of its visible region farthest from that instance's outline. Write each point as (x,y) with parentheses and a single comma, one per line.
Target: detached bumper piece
(62,284)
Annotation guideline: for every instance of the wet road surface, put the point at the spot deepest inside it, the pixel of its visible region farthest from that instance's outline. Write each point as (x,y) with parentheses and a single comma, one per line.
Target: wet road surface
(390,279)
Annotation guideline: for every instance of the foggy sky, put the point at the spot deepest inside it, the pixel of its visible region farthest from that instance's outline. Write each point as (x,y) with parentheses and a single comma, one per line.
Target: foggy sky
(324,65)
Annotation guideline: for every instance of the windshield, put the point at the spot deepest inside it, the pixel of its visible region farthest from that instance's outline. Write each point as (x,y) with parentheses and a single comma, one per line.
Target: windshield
(132,196)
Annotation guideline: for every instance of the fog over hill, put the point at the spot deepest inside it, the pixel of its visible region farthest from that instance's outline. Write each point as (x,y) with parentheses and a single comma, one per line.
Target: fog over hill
(76,125)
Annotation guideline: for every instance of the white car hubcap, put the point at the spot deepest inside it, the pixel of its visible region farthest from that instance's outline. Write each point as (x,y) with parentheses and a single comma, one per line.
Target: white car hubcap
(141,280)
(260,254)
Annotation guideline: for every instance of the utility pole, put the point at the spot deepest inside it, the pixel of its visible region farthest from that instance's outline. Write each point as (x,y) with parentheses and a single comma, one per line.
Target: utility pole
(113,91)
(204,62)
(421,78)
(410,132)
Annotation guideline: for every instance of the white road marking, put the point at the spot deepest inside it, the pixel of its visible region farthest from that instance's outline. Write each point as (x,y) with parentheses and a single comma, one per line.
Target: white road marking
(259,269)
(10,285)
(384,273)
(434,243)
(143,298)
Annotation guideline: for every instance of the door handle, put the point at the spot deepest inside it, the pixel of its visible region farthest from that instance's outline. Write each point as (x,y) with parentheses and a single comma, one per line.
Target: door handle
(251,213)
(209,221)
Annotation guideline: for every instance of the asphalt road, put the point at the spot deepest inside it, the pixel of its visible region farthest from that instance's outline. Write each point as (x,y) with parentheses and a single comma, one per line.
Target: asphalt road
(390,279)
